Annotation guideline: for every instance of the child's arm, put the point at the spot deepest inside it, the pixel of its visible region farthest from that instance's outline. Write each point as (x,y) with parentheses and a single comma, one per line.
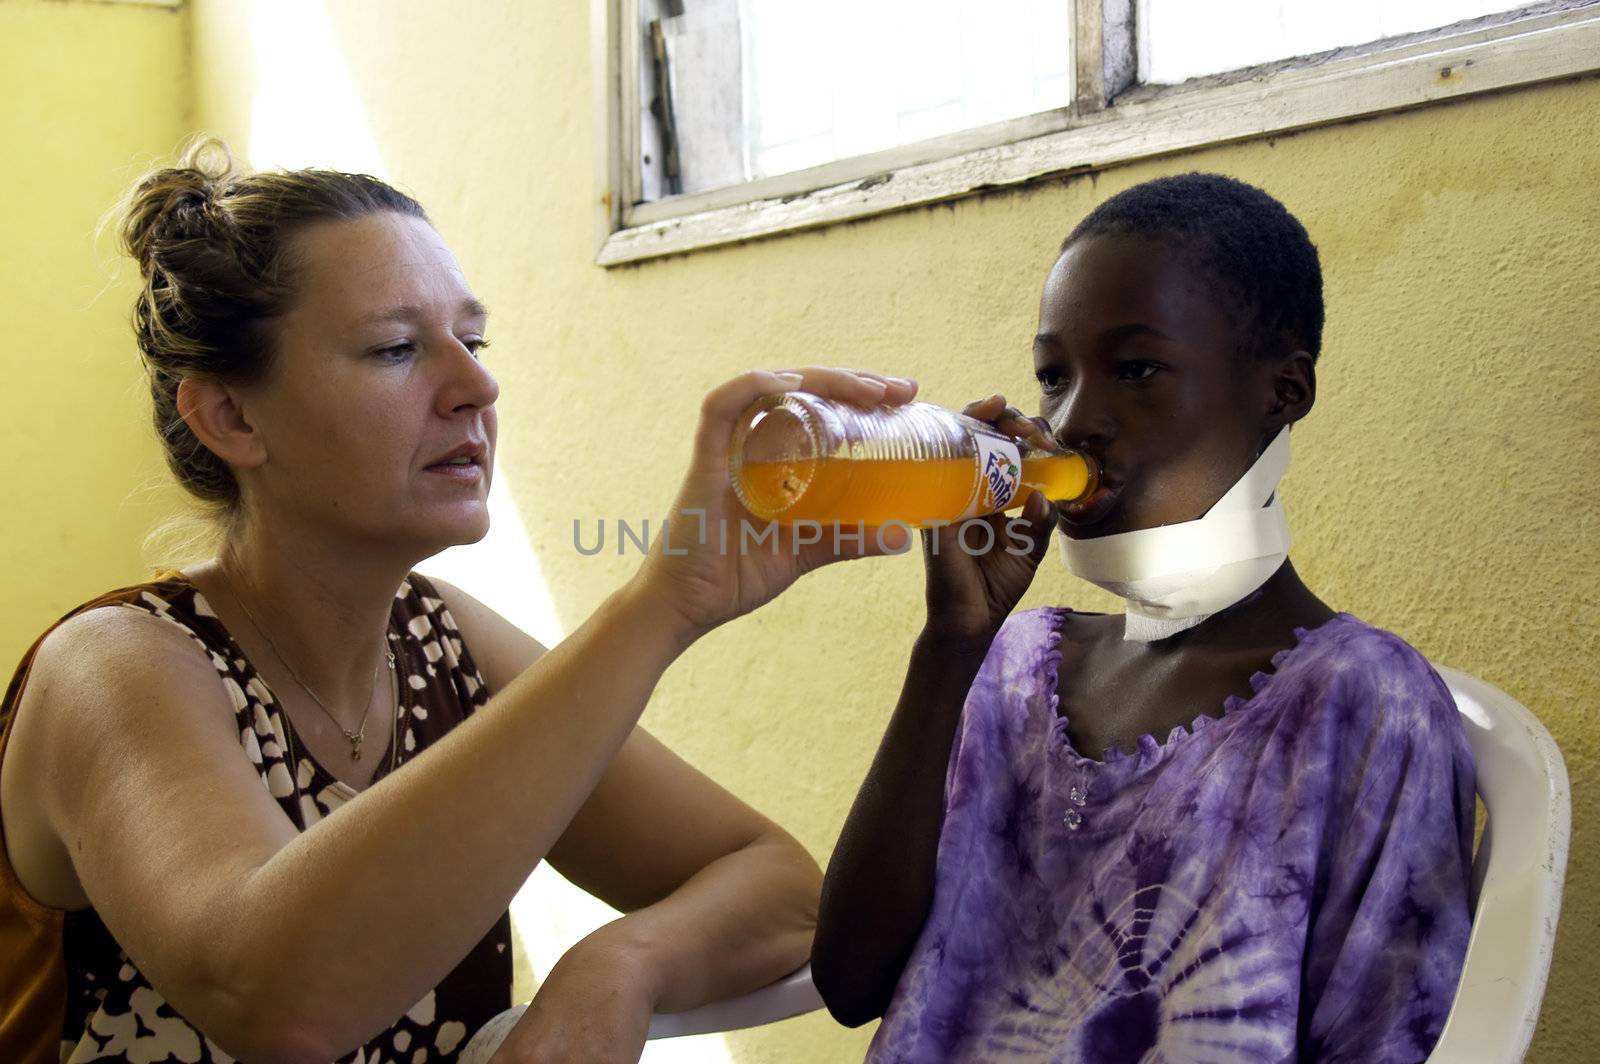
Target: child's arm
(879,884)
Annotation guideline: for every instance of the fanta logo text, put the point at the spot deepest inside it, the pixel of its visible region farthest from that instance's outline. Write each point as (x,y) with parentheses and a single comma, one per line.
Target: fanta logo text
(1000,476)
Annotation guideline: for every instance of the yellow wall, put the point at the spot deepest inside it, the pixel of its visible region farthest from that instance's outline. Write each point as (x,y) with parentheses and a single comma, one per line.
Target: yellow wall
(1441,488)
(92,94)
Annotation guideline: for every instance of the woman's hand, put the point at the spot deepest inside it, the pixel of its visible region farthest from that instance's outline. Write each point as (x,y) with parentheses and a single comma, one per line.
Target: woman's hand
(710,567)
(969,595)
(595,1008)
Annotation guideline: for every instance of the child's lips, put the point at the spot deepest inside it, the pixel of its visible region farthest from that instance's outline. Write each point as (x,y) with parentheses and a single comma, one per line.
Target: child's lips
(1090,509)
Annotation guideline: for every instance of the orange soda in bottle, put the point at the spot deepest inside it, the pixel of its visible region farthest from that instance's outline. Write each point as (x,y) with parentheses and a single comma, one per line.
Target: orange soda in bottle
(799,457)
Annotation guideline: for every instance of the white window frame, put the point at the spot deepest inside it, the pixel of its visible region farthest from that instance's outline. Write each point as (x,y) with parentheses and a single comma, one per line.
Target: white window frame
(1110,121)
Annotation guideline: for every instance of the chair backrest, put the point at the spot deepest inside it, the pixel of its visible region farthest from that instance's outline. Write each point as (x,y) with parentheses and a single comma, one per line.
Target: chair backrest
(1516,875)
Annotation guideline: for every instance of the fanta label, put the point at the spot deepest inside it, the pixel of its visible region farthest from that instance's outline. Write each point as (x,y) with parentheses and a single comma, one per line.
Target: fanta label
(999,474)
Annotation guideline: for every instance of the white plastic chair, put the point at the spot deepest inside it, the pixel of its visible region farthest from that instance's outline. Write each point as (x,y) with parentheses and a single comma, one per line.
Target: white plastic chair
(1516,876)
(1516,879)
(792,995)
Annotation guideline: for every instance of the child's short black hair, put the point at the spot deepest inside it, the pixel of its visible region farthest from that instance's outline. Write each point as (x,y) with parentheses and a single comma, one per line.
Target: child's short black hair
(1240,239)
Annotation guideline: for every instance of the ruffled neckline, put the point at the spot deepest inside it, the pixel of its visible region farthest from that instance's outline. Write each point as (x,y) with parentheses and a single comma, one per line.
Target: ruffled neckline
(1148,749)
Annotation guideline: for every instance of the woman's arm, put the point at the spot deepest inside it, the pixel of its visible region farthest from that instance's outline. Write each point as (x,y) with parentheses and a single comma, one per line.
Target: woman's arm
(282,945)
(718,899)
(879,885)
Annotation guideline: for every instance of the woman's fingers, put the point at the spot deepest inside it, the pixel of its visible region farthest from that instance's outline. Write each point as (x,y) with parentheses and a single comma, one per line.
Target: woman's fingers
(723,405)
(897,390)
(857,386)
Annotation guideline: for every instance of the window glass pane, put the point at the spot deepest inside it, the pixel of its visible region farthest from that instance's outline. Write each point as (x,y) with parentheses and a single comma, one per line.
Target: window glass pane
(1181,39)
(764,87)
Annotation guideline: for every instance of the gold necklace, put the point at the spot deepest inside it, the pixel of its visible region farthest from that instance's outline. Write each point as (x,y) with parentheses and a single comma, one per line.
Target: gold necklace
(353,737)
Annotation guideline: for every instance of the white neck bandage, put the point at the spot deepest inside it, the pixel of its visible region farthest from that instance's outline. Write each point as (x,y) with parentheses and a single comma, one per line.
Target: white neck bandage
(1175,576)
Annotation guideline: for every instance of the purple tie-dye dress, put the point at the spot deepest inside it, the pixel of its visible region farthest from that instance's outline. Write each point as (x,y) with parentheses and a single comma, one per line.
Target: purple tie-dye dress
(1286,882)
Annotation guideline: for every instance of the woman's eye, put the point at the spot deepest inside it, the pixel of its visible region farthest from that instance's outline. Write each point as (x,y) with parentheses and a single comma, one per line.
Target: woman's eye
(1136,371)
(476,344)
(396,352)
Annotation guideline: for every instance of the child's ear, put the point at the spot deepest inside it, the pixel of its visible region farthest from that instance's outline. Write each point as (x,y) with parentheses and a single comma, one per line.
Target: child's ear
(1294,389)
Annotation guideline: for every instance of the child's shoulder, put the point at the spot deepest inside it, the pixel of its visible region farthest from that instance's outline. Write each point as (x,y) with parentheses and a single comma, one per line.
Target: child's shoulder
(1374,674)
(1046,625)
(1027,642)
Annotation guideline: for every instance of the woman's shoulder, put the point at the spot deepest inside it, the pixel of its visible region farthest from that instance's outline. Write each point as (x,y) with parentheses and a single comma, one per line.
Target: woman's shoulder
(109,661)
(159,616)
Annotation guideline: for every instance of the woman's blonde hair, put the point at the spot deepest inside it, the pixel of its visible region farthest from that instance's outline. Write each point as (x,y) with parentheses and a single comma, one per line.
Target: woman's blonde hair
(213,248)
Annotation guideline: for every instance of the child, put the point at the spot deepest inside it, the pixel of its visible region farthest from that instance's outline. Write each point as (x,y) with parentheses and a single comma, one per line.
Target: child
(1231,825)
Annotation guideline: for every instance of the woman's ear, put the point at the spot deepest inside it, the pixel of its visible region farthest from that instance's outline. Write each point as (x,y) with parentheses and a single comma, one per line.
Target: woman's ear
(1294,389)
(215,414)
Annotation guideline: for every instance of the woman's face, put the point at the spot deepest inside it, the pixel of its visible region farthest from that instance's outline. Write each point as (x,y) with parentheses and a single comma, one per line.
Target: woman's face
(1136,366)
(377,420)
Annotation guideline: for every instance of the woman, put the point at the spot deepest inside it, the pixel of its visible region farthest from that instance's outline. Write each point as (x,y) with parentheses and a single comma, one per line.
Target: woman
(1230,824)
(271,808)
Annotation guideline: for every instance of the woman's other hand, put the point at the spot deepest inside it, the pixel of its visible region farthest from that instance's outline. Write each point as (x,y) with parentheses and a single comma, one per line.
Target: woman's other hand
(717,561)
(595,1008)
(970,590)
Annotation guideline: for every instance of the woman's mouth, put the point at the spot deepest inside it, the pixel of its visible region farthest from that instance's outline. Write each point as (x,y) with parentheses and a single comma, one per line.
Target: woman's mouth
(464,468)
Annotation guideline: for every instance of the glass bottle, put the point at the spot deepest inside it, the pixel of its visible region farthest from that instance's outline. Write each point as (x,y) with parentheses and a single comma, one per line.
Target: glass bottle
(797,456)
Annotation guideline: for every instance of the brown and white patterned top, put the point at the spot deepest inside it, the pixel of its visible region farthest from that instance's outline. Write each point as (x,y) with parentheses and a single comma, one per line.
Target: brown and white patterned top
(110,1011)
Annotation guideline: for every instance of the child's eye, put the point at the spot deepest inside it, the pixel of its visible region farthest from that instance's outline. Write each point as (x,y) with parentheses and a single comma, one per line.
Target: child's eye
(1050,381)
(1136,371)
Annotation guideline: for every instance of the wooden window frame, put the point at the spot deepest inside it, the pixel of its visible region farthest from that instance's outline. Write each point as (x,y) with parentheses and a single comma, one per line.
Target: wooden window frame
(1112,120)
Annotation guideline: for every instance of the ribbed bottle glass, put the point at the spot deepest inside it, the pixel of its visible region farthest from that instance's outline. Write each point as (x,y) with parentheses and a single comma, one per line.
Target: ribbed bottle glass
(799,457)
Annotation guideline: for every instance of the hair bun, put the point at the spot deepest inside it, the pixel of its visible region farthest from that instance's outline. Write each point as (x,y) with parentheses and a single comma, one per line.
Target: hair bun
(213,246)
(179,203)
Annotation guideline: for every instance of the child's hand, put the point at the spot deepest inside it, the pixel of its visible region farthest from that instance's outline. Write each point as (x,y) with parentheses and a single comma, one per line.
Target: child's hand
(970,590)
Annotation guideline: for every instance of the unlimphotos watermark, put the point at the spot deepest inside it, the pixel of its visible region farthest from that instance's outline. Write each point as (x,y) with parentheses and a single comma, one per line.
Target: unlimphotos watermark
(975,536)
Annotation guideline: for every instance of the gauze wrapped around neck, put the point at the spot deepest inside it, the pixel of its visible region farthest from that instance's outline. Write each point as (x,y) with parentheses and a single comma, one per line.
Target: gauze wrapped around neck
(1175,576)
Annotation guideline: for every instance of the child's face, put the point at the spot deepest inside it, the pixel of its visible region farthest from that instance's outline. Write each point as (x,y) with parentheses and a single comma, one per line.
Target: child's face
(1136,366)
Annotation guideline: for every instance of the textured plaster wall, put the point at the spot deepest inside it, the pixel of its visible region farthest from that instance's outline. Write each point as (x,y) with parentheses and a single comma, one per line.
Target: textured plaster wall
(1441,488)
(92,93)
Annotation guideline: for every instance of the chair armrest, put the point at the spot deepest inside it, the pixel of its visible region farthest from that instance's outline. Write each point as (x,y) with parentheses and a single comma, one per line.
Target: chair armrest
(792,995)
(1503,978)
(1521,864)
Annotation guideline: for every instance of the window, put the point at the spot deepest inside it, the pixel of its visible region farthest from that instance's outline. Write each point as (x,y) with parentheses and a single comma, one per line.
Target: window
(1180,39)
(724,120)
(738,90)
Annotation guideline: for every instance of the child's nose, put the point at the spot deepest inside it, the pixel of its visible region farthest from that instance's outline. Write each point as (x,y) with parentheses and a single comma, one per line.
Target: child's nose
(1083,420)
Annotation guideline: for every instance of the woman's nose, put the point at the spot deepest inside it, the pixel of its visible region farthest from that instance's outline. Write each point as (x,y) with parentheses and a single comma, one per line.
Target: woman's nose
(470,384)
